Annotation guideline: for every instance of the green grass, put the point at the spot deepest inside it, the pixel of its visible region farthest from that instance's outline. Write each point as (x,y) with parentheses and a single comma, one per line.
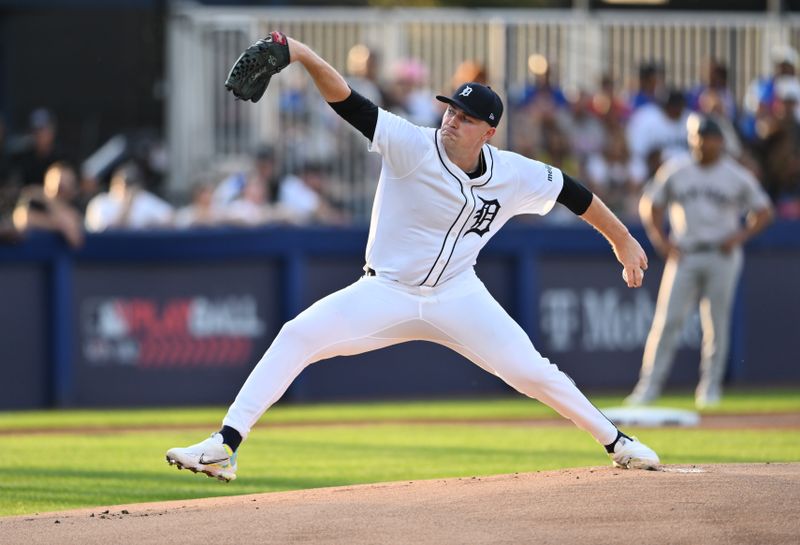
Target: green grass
(512,408)
(55,471)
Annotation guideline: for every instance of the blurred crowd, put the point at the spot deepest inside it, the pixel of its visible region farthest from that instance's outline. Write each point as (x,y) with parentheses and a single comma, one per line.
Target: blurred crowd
(611,136)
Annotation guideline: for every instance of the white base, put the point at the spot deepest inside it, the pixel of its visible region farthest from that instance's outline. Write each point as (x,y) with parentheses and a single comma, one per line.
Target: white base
(651,416)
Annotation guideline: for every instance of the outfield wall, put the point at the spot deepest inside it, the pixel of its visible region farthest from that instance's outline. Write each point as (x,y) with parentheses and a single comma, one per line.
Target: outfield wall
(177,318)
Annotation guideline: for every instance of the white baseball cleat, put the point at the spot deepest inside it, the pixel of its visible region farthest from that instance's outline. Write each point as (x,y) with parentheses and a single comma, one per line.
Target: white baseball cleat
(633,454)
(211,457)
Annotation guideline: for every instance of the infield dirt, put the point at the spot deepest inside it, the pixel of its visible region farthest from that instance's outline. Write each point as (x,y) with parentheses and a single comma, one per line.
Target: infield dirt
(704,504)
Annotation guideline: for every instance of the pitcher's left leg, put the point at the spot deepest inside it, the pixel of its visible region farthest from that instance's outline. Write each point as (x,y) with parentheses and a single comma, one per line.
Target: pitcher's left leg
(477,327)
(483,328)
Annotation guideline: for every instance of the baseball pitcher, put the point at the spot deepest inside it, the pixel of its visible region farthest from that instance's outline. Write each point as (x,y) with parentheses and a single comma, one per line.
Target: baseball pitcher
(442,195)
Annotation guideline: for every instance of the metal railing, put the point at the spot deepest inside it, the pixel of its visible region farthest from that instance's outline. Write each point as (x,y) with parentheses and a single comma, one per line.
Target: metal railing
(209,132)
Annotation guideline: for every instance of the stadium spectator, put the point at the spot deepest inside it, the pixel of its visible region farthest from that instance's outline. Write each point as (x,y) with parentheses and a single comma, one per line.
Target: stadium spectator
(252,207)
(650,86)
(778,145)
(466,71)
(264,167)
(201,212)
(760,95)
(409,95)
(544,91)
(363,67)
(39,151)
(608,106)
(714,87)
(584,131)
(88,188)
(711,104)
(303,198)
(539,108)
(610,176)
(127,204)
(659,127)
(52,207)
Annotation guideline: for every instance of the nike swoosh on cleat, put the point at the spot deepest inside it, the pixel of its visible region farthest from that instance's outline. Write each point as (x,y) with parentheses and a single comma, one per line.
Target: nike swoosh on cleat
(208,462)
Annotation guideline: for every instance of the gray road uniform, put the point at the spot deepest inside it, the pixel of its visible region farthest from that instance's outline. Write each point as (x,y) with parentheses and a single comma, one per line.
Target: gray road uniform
(705,206)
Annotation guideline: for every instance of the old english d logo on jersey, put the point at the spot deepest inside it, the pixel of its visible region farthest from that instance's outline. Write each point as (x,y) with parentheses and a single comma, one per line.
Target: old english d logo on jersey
(484,217)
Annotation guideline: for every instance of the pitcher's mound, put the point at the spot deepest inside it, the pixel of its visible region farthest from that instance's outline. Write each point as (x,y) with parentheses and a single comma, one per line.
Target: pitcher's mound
(709,504)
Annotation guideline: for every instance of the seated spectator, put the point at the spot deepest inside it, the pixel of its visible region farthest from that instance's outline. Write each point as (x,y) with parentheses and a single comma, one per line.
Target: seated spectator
(252,208)
(303,198)
(710,104)
(127,205)
(650,85)
(778,146)
(714,87)
(658,126)
(264,167)
(540,107)
(88,188)
(28,165)
(409,94)
(608,106)
(760,95)
(466,72)
(201,212)
(544,89)
(610,176)
(52,207)
(584,131)
(363,65)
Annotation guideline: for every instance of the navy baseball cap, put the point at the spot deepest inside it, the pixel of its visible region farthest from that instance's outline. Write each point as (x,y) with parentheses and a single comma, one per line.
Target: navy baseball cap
(709,127)
(477,101)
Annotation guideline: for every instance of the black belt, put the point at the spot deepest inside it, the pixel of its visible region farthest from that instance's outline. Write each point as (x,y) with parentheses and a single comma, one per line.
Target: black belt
(369,272)
(702,247)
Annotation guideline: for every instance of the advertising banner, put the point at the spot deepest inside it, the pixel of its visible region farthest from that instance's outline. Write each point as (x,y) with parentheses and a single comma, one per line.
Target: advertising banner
(594,327)
(170,333)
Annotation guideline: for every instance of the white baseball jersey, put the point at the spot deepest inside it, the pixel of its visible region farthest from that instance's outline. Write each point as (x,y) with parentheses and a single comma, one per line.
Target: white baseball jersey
(429,219)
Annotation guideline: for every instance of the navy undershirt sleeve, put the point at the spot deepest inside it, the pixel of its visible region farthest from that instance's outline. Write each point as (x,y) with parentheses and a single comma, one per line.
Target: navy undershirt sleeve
(359,111)
(574,195)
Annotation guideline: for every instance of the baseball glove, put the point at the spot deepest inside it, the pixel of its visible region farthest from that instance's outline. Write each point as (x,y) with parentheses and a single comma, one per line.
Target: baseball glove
(250,75)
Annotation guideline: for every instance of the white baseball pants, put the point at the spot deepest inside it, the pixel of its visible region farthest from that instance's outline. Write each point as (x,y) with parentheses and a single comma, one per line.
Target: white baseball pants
(375,312)
(709,278)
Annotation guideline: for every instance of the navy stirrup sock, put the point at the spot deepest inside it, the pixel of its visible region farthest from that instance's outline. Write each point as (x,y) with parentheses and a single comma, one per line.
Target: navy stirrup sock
(231,437)
(609,447)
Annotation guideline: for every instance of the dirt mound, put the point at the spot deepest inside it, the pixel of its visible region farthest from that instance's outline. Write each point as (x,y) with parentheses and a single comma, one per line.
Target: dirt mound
(709,504)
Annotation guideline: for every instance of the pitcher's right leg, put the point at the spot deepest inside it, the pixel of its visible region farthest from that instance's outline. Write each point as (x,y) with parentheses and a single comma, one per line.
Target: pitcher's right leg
(364,316)
(343,323)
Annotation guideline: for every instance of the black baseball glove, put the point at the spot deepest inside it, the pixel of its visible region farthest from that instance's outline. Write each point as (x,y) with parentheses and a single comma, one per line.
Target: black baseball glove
(252,71)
